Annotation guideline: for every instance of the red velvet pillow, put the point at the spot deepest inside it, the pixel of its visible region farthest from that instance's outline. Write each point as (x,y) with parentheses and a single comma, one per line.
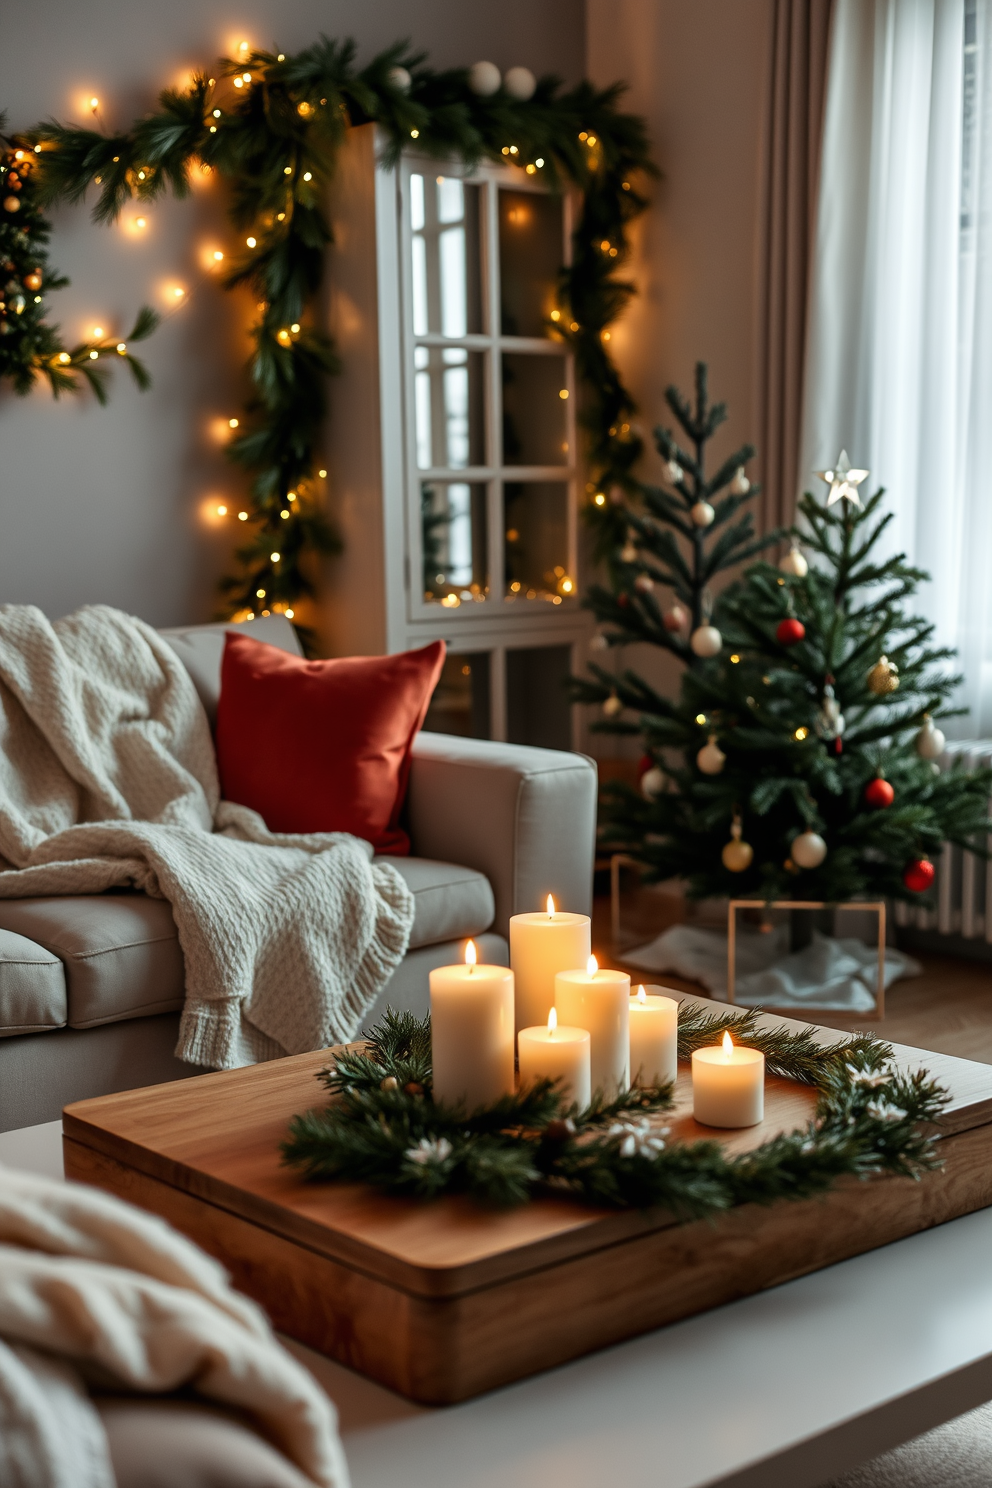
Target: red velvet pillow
(322,746)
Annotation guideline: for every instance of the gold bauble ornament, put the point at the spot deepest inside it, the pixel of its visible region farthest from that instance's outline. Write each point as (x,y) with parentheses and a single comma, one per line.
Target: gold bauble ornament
(11,204)
(737,855)
(883,677)
(612,706)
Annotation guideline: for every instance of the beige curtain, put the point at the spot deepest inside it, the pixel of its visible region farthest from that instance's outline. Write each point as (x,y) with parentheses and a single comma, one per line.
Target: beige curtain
(794,123)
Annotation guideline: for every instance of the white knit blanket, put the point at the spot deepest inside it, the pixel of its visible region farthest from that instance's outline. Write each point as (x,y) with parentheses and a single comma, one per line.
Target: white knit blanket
(108,779)
(95,1292)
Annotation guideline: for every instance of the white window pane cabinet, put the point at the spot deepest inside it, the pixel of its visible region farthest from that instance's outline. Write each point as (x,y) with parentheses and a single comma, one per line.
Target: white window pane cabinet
(452,447)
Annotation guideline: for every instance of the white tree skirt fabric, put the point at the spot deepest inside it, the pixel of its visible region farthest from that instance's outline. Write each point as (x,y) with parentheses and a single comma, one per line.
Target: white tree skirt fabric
(828,973)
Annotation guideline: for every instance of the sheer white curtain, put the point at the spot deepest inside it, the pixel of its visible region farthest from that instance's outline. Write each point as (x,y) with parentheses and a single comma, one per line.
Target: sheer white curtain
(899,359)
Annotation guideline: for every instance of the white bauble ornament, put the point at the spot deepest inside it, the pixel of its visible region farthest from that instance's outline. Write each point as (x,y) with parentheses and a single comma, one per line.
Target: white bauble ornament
(652,783)
(701,513)
(711,758)
(740,485)
(674,471)
(676,618)
(736,855)
(599,642)
(644,583)
(628,553)
(793,563)
(930,741)
(612,706)
(484,79)
(706,640)
(808,850)
(520,83)
(399,78)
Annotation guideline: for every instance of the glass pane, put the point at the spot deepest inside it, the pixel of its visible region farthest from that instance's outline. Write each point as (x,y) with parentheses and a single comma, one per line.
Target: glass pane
(537,706)
(535,429)
(536,541)
(449,407)
(453,542)
(445,263)
(530,257)
(460,704)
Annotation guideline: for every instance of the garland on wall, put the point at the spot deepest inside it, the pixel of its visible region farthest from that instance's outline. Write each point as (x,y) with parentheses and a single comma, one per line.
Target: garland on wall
(271,124)
(384,1128)
(30,348)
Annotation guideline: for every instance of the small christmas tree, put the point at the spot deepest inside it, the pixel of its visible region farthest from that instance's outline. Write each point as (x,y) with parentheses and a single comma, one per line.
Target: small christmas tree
(799,759)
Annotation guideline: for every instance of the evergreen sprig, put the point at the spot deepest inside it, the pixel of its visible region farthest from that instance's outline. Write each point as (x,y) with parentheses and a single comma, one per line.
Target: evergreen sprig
(383,1127)
(274,139)
(31,348)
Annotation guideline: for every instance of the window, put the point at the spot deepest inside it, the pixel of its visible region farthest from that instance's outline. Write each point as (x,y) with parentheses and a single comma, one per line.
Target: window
(490,407)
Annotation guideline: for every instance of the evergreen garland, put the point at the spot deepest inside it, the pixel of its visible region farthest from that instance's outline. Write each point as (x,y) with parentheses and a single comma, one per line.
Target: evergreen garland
(384,1128)
(29,347)
(271,125)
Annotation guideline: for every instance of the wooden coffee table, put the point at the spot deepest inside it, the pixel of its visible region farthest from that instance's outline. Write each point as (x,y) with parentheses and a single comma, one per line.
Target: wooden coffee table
(443,1301)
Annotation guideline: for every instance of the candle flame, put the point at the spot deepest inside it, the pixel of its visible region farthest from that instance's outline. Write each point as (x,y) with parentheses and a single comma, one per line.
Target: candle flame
(642,996)
(592,966)
(728,1044)
(471,957)
(551,908)
(552,1020)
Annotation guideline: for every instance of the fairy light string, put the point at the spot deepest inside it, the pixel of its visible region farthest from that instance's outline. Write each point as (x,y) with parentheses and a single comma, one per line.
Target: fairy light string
(271,125)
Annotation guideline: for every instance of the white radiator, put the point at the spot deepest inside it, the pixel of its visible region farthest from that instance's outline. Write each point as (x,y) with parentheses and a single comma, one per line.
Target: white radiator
(964,881)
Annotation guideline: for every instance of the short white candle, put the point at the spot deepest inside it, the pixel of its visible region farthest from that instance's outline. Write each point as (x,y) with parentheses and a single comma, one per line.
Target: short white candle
(728,1085)
(600,1002)
(654,1038)
(541,945)
(554,1053)
(472,1032)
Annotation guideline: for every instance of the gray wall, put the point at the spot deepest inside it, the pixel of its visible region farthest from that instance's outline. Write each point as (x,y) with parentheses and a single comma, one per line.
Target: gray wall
(107,505)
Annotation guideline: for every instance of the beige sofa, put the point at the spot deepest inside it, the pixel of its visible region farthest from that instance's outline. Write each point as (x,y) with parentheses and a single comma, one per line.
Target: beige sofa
(91,986)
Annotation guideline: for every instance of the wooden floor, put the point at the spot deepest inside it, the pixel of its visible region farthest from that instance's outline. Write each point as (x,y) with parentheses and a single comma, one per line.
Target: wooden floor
(948,1008)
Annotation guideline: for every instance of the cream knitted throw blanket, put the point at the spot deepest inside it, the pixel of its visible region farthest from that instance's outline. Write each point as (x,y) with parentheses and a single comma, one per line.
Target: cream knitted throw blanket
(108,779)
(95,1292)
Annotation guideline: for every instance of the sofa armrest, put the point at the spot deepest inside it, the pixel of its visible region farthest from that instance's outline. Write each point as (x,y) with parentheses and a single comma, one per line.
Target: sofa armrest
(526,818)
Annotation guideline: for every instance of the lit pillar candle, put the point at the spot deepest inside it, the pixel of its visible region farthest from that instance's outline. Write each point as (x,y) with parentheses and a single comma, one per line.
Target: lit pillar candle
(728,1085)
(654,1038)
(472,1032)
(541,945)
(554,1053)
(599,1001)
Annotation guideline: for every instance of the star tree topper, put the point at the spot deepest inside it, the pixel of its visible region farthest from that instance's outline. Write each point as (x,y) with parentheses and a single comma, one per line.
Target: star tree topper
(842,480)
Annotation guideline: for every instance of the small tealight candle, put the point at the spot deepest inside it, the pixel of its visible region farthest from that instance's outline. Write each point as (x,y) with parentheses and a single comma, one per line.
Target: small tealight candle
(472,1032)
(728,1085)
(654,1039)
(554,1053)
(599,1001)
(541,945)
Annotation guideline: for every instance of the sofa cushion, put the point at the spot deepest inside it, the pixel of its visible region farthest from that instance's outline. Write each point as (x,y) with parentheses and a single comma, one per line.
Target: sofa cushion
(200,648)
(32,987)
(450,902)
(120,952)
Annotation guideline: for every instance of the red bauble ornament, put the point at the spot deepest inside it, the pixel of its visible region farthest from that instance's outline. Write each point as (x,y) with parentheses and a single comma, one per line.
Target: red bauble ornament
(790,631)
(918,875)
(879,793)
(644,764)
(623,600)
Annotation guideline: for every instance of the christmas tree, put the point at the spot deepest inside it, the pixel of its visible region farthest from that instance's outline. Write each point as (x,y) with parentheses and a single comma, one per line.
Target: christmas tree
(799,759)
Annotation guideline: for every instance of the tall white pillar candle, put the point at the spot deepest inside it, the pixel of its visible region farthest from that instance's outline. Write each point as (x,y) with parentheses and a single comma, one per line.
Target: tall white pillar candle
(472,1032)
(554,1053)
(599,1001)
(728,1085)
(541,945)
(654,1038)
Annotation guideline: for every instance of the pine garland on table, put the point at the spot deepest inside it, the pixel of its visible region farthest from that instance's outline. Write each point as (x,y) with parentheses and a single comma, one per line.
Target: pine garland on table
(383,1128)
(271,126)
(29,347)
